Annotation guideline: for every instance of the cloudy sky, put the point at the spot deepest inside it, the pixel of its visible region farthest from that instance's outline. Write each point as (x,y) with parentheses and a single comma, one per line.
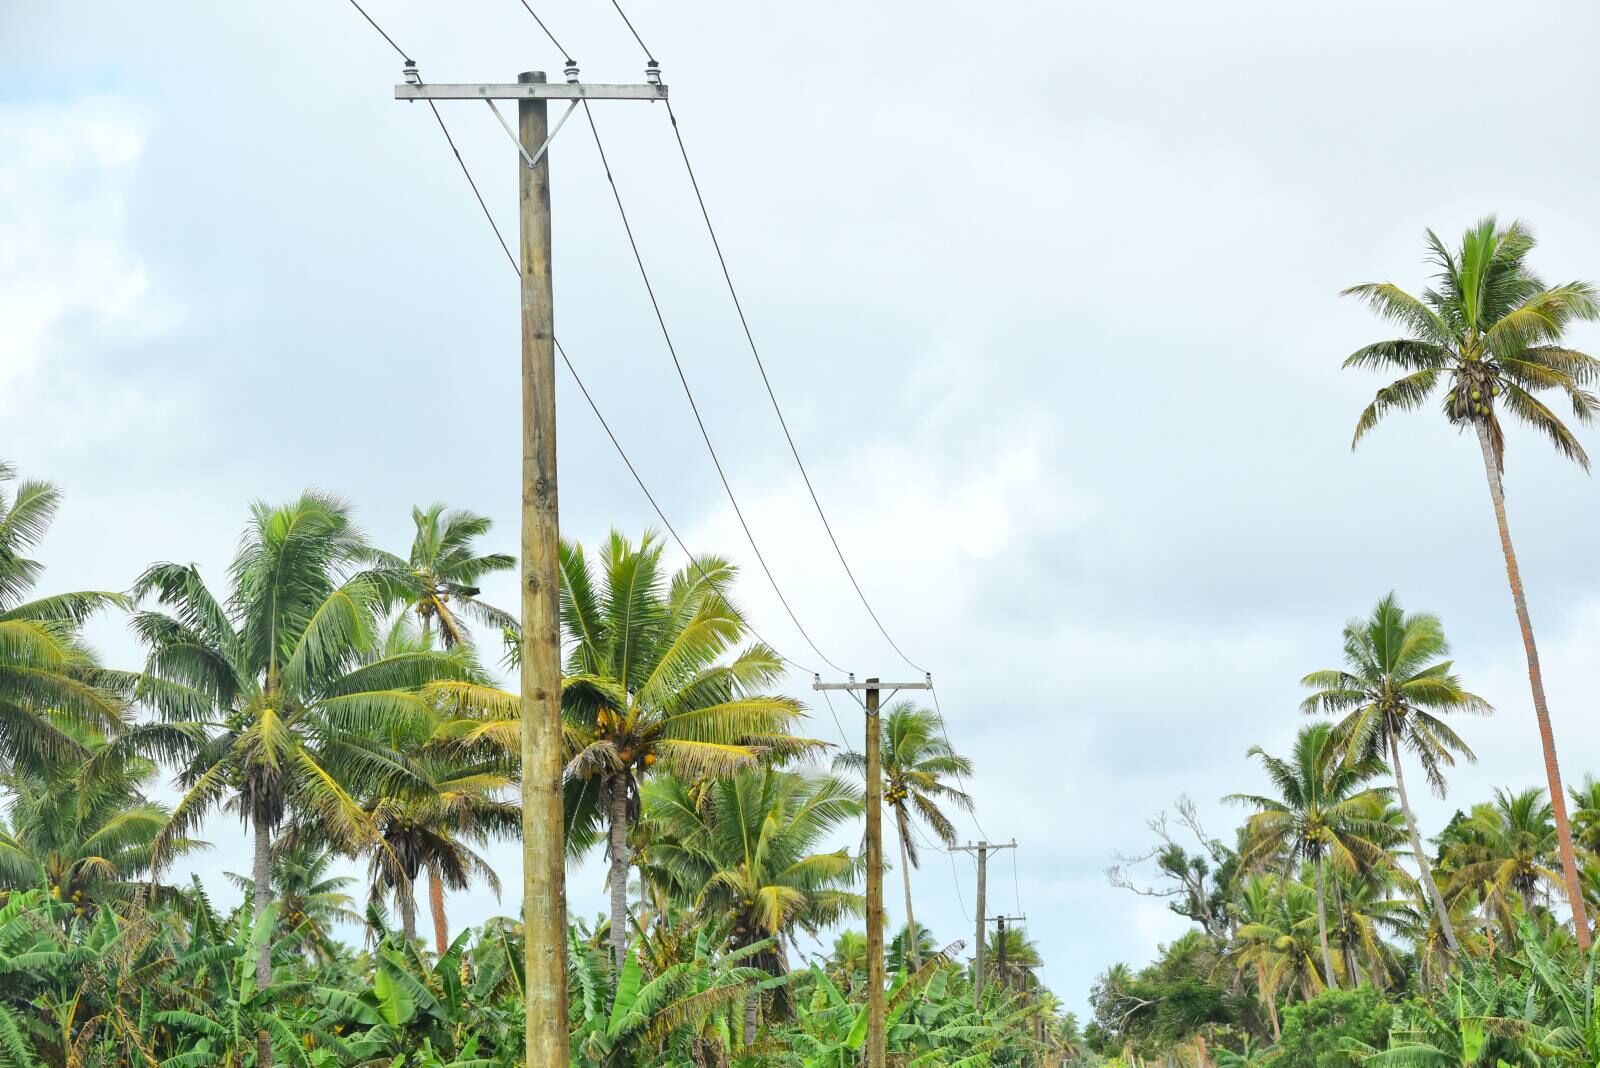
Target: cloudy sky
(1049,292)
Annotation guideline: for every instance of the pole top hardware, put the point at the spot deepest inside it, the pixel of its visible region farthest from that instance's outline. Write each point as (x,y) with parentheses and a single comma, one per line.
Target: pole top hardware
(410,72)
(652,72)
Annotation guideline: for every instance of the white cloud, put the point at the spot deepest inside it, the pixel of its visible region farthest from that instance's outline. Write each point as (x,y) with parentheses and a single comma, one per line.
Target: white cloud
(72,286)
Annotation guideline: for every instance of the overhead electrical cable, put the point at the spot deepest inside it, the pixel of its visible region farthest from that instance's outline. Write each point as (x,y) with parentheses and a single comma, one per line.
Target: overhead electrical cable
(688,392)
(572,370)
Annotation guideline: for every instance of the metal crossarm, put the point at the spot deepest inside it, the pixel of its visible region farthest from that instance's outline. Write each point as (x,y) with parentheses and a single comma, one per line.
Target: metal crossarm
(529,91)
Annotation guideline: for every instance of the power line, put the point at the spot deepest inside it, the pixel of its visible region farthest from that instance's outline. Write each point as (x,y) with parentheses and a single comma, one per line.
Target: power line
(955,877)
(1016,884)
(689,393)
(381,32)
(772,395)
(629,23)
(595,408)
(566,55)
(843,737)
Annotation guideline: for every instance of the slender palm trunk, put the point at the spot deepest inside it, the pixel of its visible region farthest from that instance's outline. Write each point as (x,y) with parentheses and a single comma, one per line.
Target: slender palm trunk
(406,897)
(441,923)
(1270,997)
(1552,770)
(261,875)
(752,1003)
(1424,868)
(619,872)
(913,953)
(1322,931)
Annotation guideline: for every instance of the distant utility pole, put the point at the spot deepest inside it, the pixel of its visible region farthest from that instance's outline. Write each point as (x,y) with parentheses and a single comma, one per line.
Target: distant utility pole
(875,977)
(982,849)
(544,903)
(1000,929)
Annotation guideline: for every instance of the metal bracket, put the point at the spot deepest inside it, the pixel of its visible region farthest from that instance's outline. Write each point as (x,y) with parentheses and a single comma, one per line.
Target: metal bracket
(534,159)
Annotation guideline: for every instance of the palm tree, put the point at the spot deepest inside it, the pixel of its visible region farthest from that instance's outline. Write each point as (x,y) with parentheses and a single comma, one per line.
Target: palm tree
(1390,694)
(744,849)
(280,681)
(464,773)
(655,674)
(1019,954)
(310,900)
(1493,330)
(84,828)
(917,763)
(1324,809)
(1278,938)
(428,827)
(1586,815)
(444,565)
(1503,850)
(49,680)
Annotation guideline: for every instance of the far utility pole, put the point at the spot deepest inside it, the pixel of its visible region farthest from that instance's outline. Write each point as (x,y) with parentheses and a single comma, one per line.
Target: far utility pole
(544,901)
(982,849)
(1000,929)
(875,976)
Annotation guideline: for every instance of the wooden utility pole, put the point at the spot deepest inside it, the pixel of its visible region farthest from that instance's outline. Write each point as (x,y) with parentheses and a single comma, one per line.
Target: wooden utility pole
(544,901)
(874,790)
(876,1046)
(982,849)
(1000,929)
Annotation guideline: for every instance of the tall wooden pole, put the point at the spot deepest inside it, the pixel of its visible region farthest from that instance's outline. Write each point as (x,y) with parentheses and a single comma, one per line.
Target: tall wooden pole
(1000,960)
(977,975)
(875,977)
(544,900)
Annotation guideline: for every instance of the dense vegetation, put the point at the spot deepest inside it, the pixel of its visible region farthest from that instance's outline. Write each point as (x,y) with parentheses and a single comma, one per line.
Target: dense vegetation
(330,696)
(333,697)
(1329,933)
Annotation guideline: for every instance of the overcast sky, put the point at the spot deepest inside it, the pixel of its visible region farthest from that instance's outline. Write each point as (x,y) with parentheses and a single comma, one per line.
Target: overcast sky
(1049,292)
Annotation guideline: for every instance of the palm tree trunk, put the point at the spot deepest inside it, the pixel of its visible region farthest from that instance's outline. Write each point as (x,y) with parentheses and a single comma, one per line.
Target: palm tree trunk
(1271,999)
(912,948)
(1322,931)
(1423,867)
(441,923)
(751,1004)
(406,897)
(619,872)
(1541,712)
(261,875)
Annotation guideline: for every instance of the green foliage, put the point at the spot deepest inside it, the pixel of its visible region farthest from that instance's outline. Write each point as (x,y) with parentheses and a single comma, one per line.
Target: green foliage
(1317,1033)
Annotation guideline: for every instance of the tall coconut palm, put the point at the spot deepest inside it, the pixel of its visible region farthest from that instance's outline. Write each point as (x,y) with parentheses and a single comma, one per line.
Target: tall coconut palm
(50,682)
(917,765)
(281,680)
(432,826)
(1491,333)
(655,675)
(1503,850)
(1390,695)
(1324,810)
(461,794)
(747,849)
(443,567)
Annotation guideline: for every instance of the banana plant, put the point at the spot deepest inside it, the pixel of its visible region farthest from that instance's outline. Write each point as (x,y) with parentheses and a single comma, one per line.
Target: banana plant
(228,1010)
